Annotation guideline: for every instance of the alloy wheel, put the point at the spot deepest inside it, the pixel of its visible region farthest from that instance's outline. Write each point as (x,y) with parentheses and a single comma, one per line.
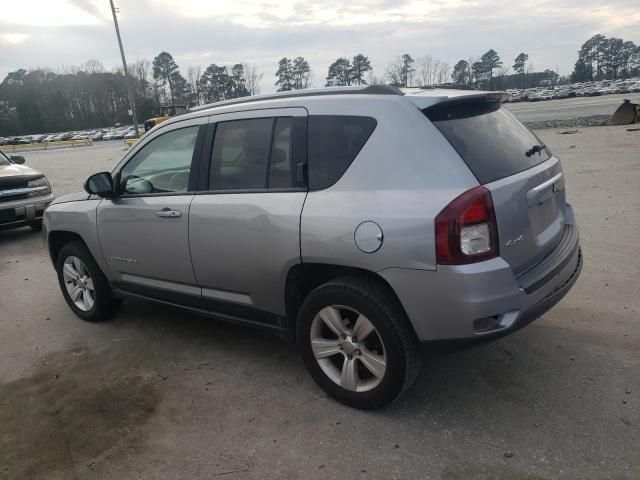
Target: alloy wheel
(78,283)
(348,348)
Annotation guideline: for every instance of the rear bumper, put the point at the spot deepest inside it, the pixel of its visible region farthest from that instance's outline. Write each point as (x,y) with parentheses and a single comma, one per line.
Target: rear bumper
(483,299)
(19,213)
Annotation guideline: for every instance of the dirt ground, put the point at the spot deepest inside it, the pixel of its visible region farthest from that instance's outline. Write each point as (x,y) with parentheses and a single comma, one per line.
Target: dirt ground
(161,394)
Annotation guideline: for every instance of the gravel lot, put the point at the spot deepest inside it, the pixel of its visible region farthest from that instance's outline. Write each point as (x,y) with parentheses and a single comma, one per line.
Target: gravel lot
(160,394)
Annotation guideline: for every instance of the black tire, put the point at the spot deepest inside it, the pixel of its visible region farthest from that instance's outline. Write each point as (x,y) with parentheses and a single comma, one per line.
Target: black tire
(36,226)
(373,299)
(105,305)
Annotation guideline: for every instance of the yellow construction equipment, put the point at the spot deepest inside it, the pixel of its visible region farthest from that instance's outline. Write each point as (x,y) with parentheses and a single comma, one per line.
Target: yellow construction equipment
(626,114)
(166,112)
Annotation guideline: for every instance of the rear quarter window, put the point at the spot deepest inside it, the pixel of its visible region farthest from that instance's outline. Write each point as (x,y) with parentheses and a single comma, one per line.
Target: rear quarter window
(492,142)
(334,141)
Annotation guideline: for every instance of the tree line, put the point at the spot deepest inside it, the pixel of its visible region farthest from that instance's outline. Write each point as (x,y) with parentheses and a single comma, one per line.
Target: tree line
(602,58)
(89,96)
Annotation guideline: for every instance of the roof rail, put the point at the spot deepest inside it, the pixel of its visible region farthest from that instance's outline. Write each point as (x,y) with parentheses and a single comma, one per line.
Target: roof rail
(314,92)
(452,86)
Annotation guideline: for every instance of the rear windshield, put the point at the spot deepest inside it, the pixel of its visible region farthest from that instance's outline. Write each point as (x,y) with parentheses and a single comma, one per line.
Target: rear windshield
(491,141)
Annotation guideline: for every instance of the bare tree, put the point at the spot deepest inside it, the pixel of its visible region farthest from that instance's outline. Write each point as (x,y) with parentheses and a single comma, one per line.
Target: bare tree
(373,79)
(140,70)
(253,78)
(435,71)
(400,71)
(193,78)
(394,71)
(424,66)
(470,73)
(443,72)
(68,70)
(92,66)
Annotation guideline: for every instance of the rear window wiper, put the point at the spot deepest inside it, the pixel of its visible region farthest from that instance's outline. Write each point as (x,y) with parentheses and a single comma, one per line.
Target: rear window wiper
(535,149)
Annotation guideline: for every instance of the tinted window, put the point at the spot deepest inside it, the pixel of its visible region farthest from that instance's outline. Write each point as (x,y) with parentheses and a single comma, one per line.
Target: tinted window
(162,165)
(281,162)
(334,141)
(492,142)
(241,154)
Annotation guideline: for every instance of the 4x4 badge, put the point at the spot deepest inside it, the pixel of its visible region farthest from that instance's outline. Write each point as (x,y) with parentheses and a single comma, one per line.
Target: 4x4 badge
(514,241)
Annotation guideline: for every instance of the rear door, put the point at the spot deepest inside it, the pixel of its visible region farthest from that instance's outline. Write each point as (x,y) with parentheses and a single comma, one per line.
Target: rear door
(244,227)
(525,180)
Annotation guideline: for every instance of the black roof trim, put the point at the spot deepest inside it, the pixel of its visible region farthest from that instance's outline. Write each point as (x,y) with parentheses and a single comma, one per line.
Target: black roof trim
(368,90)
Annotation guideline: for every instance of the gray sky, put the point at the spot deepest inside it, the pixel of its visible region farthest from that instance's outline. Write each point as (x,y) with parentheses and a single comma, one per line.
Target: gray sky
(54,33)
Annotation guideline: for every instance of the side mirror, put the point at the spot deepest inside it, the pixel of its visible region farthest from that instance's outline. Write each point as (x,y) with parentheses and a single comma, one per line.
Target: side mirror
(17,159)
(100,184)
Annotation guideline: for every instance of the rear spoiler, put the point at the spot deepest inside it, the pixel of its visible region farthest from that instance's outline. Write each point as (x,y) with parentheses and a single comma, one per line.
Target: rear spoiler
(462,96)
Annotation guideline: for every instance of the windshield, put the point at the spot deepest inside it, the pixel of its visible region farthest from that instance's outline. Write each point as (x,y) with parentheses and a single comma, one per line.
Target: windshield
(3,159)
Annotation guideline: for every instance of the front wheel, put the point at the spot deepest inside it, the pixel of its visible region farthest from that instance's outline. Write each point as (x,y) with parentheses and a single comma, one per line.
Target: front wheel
(84,286)
(357,343)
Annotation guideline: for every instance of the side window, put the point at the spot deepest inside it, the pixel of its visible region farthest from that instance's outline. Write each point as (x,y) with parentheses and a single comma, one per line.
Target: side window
(281,163)
(334,142)
(240,154)
(162,165)
(252,154)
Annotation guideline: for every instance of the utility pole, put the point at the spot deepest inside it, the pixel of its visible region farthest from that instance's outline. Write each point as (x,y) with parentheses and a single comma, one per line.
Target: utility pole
(132,102)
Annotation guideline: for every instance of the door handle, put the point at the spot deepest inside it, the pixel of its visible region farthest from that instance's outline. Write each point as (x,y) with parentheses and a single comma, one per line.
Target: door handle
(168,213)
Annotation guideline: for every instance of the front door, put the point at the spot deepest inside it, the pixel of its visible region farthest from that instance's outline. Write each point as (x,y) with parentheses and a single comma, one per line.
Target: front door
(144,230)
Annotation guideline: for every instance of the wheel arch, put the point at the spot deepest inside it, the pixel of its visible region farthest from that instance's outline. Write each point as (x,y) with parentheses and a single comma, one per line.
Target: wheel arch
(59,238)
(303,278)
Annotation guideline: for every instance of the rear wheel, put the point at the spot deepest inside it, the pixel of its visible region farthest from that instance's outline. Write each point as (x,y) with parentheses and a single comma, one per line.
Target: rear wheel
(356,342)
(84,286)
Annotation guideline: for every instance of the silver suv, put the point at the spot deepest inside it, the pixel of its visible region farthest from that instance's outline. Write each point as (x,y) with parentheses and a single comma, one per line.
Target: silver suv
(361,220)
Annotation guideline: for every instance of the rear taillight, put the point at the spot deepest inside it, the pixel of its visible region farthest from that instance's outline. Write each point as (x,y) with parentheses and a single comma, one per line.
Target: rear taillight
(466,230)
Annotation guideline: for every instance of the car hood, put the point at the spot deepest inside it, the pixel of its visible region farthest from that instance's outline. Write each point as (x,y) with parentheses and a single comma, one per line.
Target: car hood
(71,197)
(15,170)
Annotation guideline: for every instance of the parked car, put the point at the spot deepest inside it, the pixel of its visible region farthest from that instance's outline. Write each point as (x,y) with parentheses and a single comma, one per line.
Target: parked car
(97,136)
(131,134)
(361,220)
(63,136)
(24,194)
(579,89)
